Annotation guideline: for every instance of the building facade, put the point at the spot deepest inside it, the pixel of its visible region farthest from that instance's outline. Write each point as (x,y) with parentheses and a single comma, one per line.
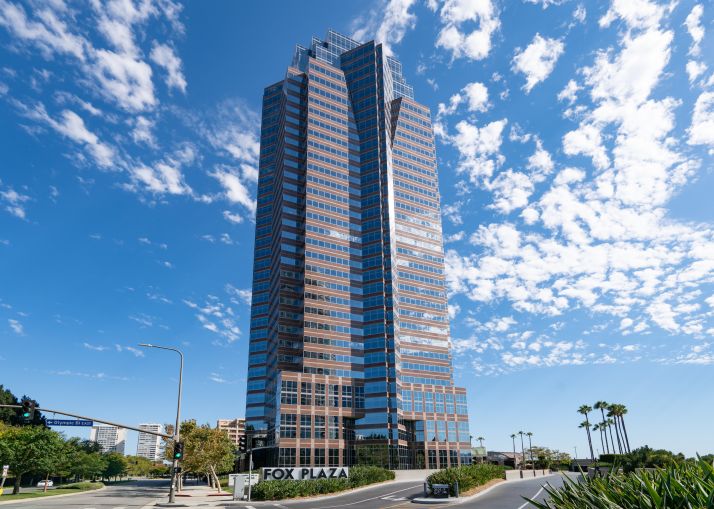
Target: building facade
(350,359)
(111,438)
(149,446)
(235,428)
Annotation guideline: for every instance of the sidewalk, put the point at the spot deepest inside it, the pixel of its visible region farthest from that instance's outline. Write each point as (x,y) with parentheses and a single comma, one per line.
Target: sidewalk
(192,496)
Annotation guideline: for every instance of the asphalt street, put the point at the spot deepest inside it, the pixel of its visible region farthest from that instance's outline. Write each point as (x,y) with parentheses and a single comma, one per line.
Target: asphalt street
(380,497)
(136,494)
(510,495)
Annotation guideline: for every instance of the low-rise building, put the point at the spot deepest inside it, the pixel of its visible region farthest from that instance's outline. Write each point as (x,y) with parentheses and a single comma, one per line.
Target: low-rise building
(234,427)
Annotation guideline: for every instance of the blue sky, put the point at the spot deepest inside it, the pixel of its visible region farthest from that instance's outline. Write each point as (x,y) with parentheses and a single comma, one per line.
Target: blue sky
(575,144)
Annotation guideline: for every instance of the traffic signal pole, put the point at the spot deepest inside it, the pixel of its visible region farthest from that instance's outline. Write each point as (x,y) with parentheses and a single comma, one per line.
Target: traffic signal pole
(177,431)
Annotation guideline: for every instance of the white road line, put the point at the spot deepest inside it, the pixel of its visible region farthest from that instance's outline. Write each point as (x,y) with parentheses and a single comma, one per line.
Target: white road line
(372,498)
(249,507)
(533,497)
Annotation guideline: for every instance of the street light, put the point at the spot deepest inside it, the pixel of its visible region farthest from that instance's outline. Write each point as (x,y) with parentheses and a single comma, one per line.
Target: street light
(174,479)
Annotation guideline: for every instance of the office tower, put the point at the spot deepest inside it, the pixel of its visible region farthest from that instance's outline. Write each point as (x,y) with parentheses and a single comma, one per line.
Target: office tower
(111,438)
(349,342)
(235,428)
(149,446)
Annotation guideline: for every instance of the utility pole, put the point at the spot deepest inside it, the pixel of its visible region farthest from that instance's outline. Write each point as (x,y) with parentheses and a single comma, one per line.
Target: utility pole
(177,431)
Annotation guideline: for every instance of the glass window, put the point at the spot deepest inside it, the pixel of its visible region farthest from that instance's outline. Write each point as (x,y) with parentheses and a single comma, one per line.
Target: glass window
(334,395)
(319,457)
(334,428)
(305,456)
(319,394)
(288,425)
(305,393)
(288,392)
(347,396)
(334,458)
(305,426)
(286,457)
(320,427)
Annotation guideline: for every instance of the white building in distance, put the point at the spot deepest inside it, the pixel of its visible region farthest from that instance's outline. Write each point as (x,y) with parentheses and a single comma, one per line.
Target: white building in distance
(111,438)
(149,446)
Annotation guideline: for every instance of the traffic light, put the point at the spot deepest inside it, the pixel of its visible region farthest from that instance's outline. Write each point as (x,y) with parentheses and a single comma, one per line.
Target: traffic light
(27,412)
(178,451)
(242,443)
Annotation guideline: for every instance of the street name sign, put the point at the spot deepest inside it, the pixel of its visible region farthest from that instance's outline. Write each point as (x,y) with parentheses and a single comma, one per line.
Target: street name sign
(68,422)
(305,473)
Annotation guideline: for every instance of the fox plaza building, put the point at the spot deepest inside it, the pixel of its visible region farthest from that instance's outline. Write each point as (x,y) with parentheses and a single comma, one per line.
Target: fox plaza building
(350,359)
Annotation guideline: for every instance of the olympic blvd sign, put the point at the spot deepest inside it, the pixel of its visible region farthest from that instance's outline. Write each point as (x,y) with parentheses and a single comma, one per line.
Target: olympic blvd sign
(305,473)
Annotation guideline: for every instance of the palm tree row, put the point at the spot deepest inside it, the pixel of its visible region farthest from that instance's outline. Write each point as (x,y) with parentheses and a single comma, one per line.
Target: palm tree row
(615,417)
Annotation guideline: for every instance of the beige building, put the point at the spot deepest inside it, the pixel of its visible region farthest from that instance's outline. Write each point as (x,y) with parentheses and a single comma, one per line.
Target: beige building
(234,427)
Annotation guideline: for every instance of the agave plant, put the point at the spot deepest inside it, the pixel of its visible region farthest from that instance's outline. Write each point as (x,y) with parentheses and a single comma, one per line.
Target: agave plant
(687,485)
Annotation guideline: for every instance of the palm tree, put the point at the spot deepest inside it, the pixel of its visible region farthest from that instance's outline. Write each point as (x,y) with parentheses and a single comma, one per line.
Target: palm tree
(598,427)
(585,410)
(612,412)
(610,422)
(513,437)
(622,410)
(602,406)
(480,441)
(530,449)
(523,449)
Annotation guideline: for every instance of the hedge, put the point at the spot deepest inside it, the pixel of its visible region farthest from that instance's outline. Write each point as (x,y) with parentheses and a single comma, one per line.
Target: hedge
(359,476)
(468,476)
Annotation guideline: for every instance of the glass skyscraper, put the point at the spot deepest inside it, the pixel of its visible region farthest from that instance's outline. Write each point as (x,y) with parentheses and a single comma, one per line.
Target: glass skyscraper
(350,357)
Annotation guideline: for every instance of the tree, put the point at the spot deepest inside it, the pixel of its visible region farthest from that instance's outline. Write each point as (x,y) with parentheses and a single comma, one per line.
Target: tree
(530,447)
(115,465)
(612,412)
(621,411)
(598,427)
(10,415)
(602,406)
(523,449)
(26,450)
(480,441)
(515,463)
(585,410)
(139,466)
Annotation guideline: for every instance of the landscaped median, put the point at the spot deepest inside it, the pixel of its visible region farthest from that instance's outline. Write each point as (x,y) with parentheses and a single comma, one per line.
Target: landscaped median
(359,476)
(67,489)
(470,478)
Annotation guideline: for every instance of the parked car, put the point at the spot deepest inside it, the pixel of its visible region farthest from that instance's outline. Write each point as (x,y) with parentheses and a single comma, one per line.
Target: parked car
(41,484)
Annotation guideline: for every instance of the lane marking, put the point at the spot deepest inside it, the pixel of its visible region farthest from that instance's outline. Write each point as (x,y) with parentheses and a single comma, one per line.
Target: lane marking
(249,507)
(533,497)
(361,501)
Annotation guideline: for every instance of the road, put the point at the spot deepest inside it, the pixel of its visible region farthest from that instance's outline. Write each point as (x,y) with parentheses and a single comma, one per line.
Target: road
(399,496)
(135,494)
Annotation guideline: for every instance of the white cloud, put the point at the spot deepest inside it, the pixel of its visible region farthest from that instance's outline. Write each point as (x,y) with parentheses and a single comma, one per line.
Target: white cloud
(13,201)
(244,294)
(586,140)
(142,131)
(695,69)
(477,146)
(232,217)
(580,13)
(134,351)
(16,326)
(570,92)
(163,55)
(538,60)
(695,28)
(72,126)
(96,348)
(641,14)
(540,161)
(474,95)
(458,35)
(234,188)
(217,318)
(387,24)
(163,177)
(511,191)
(701,132)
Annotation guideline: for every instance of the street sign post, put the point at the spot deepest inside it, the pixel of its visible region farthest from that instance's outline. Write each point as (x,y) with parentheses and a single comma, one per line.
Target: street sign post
(5,469)
(68,422)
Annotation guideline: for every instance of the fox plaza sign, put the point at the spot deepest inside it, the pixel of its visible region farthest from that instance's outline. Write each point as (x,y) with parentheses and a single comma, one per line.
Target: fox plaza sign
(305,473)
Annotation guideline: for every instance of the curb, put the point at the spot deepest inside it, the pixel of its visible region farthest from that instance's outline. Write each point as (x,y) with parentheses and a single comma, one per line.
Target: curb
(34,499)
(476,495)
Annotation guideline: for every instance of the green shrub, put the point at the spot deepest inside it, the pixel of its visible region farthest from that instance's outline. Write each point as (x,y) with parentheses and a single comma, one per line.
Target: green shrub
(468,476)
(359,476)
(678,486)
(86,485)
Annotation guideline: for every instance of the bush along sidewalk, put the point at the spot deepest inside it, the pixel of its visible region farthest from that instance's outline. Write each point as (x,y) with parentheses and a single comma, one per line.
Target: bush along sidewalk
(677,486)
(468,477)
(359,476)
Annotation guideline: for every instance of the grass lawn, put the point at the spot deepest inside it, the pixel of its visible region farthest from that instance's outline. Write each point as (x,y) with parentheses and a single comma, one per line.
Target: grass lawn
(68,488)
